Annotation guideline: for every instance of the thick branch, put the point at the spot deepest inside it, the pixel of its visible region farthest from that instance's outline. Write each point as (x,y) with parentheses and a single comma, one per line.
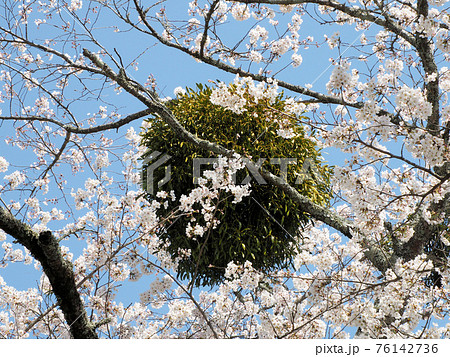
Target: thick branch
(423,233)
(424,49)
(45,248)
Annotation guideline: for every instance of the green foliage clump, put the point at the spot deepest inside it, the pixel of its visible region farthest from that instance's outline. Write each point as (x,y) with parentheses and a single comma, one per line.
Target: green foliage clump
(263,226)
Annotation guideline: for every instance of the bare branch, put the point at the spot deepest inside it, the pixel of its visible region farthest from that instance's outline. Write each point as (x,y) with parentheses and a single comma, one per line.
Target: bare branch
(76,130)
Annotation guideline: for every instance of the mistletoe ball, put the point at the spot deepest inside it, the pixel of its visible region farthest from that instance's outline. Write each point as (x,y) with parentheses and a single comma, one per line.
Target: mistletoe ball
(264,227)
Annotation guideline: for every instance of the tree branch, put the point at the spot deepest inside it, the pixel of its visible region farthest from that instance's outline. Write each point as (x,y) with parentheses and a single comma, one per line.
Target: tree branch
(424,49)
(76,130)
(45,248)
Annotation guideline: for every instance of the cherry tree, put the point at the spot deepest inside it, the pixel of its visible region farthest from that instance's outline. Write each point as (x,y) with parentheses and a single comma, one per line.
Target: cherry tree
(76,93)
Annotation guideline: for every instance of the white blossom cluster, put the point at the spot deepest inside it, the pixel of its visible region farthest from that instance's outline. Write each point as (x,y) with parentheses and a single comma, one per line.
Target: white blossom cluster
(413,102)
(258,33)
(157,287)
(243,275)
(389,74)
(75,5)
(15,179)
(333,41)
(243,92)
(14,319)
(442,40)
(208,193)
(342,81)
(3,164)
(430,148)
(240,12)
